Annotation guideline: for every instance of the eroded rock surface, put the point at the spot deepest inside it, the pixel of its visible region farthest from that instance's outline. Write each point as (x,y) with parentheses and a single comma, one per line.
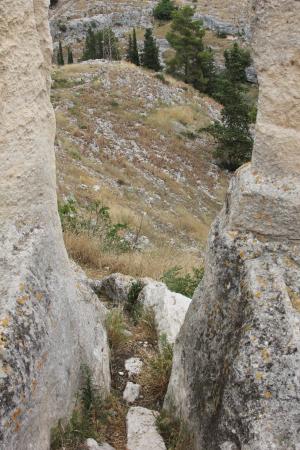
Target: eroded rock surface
(236,374)
(50,321)
(141,430)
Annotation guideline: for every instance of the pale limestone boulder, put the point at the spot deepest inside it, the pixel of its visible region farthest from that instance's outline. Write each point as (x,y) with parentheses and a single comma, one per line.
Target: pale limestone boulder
(131,392)
(141,430)
(50,321)
(169,308)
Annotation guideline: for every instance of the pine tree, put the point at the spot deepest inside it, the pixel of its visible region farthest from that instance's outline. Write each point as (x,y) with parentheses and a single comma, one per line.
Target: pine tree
(236,61)
(150,56)
(135,52)
(235,142)
(70,56)
(60,56)
(99,45)
(192,62)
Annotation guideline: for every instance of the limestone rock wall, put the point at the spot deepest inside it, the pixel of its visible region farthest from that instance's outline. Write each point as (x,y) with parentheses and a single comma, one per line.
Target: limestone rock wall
(236,374)
(50,322)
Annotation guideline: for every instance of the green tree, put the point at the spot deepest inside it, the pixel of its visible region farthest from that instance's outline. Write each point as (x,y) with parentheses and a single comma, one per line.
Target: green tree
(237,60)
(192,63)
(101,45)
(135,59)
(164,10)
(60,56)
(89,51)
(129,49)
(235,142)
(70,56)
(150,55)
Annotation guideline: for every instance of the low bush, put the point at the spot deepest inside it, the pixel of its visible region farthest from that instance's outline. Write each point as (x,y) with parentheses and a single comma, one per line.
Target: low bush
(184,284)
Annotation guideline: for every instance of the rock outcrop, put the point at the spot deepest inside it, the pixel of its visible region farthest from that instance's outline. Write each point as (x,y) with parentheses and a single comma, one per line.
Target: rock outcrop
(169,308)
(50,321)
(236,373)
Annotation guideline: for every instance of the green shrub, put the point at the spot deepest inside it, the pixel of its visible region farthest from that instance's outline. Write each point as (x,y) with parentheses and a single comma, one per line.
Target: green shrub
(97,223)
(183,284)
(133,307)
(164,10)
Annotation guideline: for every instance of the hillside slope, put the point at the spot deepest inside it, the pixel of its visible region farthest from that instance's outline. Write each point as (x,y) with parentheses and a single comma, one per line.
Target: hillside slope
(130,141)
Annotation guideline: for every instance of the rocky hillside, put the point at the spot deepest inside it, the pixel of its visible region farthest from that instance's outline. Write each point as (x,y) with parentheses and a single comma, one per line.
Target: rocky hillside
(131,141)
(70,20)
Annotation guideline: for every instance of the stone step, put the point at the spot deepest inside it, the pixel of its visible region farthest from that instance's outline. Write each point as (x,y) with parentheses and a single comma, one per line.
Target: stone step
(142,433)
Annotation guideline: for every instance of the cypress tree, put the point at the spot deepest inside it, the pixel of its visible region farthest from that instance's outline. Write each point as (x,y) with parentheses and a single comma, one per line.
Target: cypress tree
(129,49)
(70,56)
(135,52)
(99,45)
(60,56)
(90,46)
(150,56)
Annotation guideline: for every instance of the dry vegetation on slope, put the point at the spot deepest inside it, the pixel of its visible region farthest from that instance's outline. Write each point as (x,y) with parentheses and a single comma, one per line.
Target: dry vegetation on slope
(129,140)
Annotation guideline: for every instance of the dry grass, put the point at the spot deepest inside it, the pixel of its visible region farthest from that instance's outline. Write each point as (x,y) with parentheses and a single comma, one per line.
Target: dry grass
(85,250)
(187,115)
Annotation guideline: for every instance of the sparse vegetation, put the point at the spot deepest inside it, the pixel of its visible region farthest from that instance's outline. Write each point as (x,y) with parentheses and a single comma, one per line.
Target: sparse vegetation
(156,373)
(87,420)
(173,431)
(116,330)
(184,284)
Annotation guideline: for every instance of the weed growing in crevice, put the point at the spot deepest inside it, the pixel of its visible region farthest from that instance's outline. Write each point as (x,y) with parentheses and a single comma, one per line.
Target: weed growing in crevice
(156,374)
(87,420)
(173,431)
(183,284)
(116,330)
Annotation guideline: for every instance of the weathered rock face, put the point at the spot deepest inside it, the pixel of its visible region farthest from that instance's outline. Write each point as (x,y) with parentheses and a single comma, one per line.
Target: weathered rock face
(50,322)
(236,372)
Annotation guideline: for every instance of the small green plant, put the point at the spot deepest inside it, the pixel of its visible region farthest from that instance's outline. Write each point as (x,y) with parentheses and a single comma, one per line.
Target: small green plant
(133,307)
(183,284)
(116,330)
(161,76)
(173,432)
(97,224)
(87,419)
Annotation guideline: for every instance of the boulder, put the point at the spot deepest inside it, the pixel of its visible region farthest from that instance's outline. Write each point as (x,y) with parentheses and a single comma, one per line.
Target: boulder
(51,323)
(131,392)
(116,287)
(141,430)
(169,308)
